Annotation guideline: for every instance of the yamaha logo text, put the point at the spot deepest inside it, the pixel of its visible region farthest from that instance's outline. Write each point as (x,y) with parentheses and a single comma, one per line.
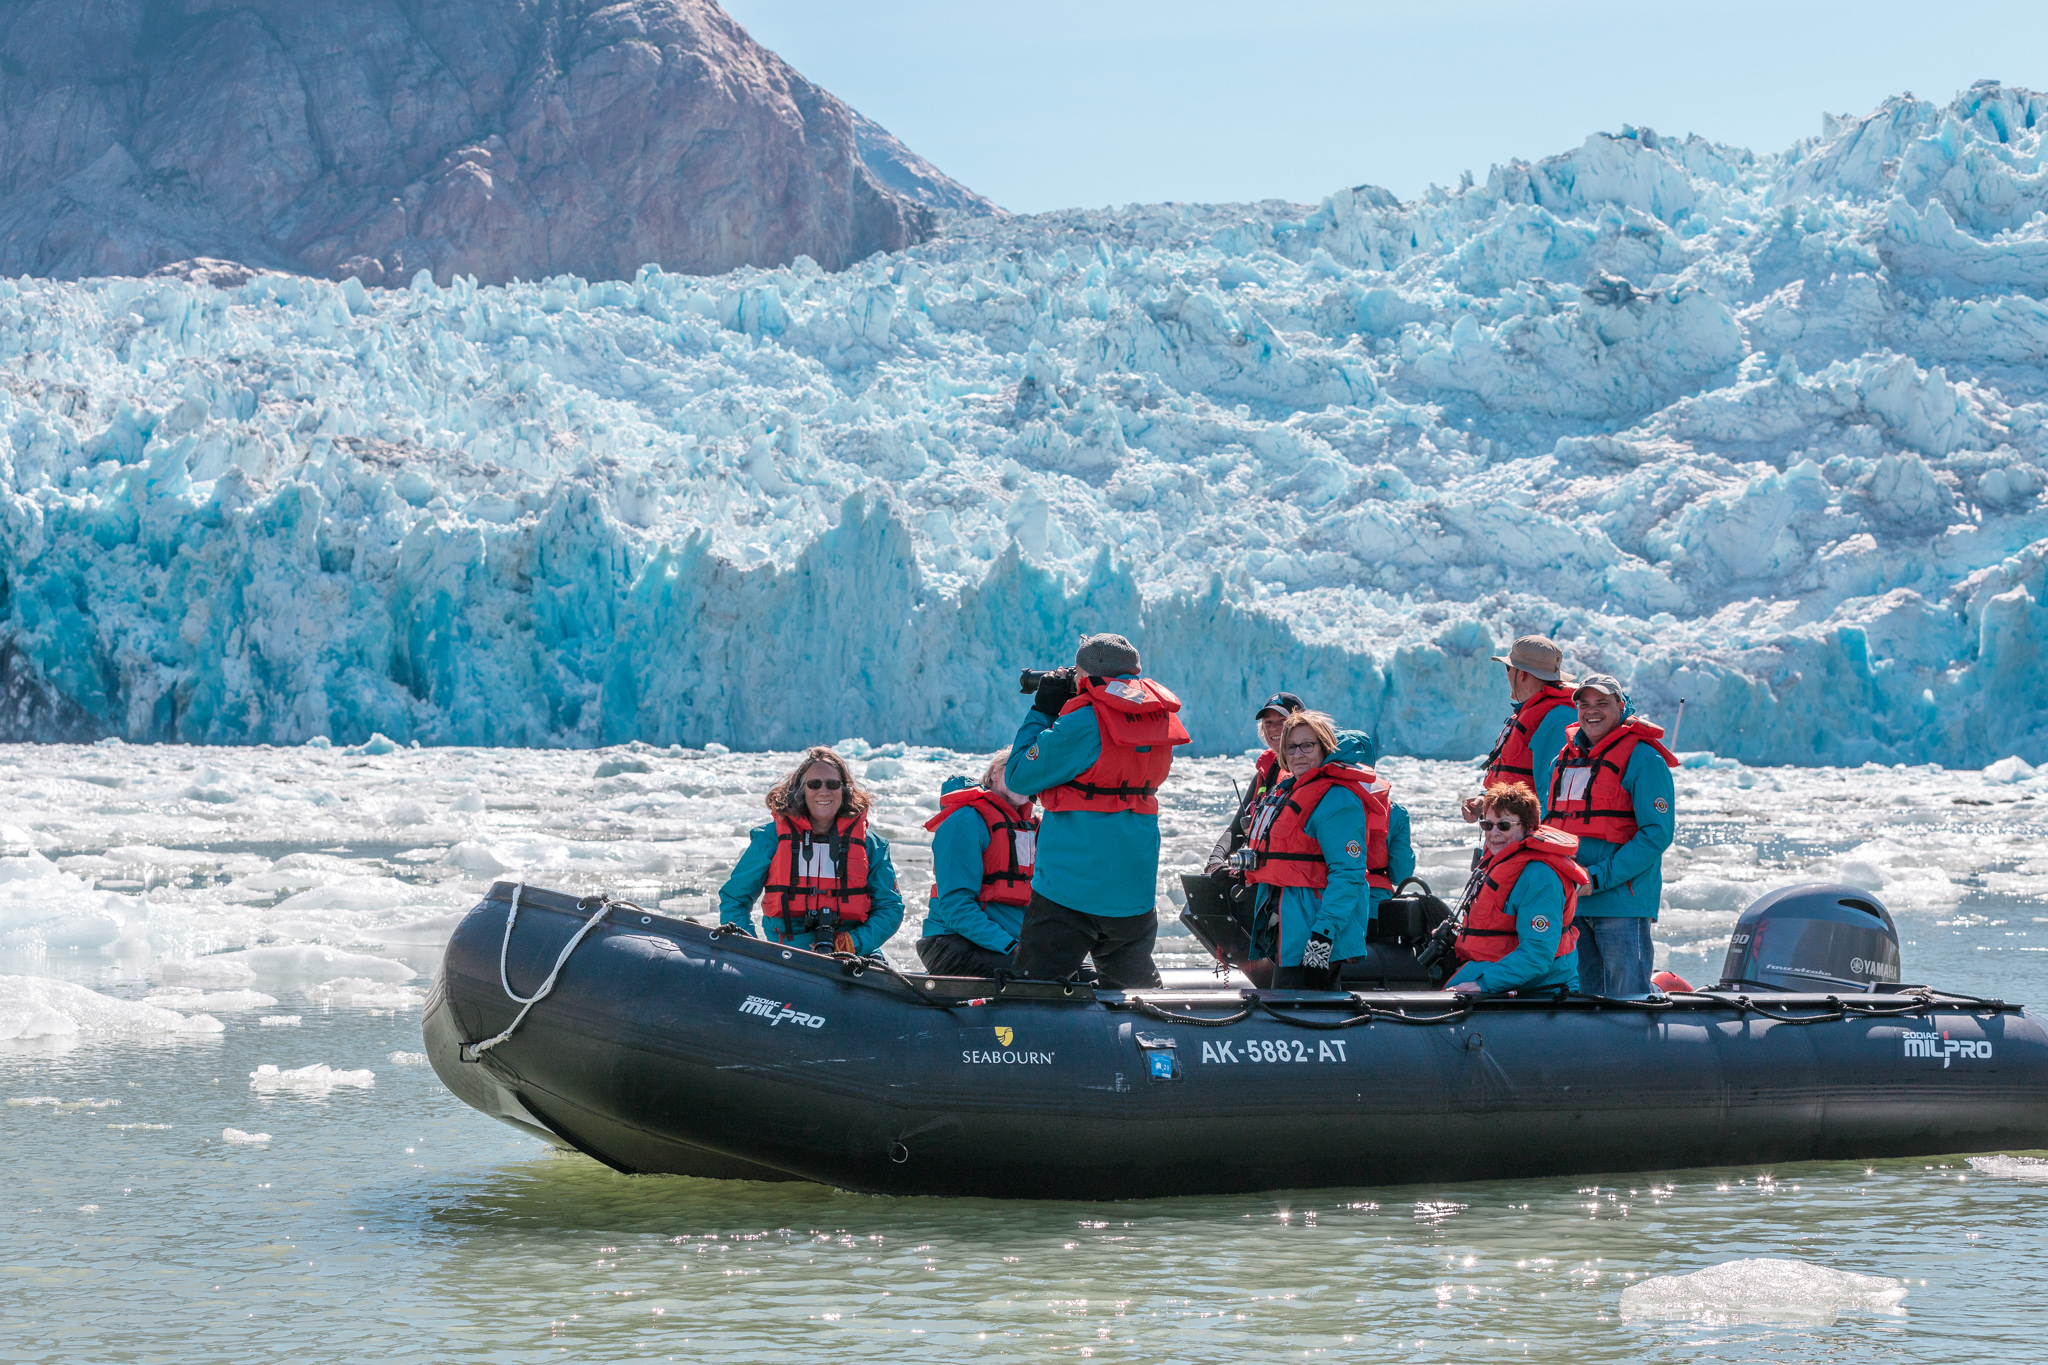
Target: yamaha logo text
(1932,1045)
(775,1012)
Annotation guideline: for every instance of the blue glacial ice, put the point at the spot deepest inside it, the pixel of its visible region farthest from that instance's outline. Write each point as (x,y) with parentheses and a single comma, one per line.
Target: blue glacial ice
(1762,431)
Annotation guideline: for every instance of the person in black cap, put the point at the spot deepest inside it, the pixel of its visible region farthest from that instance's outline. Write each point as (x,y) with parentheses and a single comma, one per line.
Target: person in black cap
(1094,749)
(1271,719)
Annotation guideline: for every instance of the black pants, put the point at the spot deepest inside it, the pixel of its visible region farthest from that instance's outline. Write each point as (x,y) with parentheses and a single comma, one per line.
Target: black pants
(958,955)
(1056,938)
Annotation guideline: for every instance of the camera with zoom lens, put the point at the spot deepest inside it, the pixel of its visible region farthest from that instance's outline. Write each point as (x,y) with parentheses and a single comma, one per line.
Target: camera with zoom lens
(1029,679)
(823,927)
(1244,860)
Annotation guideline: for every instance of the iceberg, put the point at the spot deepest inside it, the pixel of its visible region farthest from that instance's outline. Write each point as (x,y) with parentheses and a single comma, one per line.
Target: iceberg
(1763,431)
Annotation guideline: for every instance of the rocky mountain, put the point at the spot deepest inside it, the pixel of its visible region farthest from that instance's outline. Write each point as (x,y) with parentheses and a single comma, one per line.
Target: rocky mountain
(376,138)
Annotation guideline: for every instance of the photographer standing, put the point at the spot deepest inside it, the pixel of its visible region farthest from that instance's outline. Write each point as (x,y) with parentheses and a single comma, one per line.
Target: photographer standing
(826,883)
(1095,748)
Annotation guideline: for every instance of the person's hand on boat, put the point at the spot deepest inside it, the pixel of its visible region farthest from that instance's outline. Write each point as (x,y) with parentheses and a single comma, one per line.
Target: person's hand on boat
(1465,988)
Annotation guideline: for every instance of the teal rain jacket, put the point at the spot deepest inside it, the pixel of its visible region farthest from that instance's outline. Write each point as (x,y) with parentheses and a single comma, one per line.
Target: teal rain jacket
(1534,964)
(957,908)
(1342,910)
(736,898)
(1628,878)
(1100,863)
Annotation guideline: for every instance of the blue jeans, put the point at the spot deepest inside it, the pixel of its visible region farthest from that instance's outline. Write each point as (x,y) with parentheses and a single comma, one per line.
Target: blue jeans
(1614,954)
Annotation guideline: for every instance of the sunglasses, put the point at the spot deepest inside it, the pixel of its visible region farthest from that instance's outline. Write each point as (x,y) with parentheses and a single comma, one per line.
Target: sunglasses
(830,784)
(1502,825)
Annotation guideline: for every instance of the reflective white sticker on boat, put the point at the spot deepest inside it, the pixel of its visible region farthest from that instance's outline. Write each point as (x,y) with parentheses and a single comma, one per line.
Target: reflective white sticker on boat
(775,1012)
(1932,1045)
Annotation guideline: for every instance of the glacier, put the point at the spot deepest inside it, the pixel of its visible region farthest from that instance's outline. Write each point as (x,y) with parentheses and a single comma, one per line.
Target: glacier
(1760,431)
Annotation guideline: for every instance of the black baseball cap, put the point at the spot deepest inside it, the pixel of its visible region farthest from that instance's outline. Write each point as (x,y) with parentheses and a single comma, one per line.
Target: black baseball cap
(1285,703)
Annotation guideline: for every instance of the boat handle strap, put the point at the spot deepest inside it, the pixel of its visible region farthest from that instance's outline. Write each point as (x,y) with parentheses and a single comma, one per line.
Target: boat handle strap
(472,1052)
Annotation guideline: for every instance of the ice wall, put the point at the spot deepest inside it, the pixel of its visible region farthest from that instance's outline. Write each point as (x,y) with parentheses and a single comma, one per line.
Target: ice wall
(1761,431)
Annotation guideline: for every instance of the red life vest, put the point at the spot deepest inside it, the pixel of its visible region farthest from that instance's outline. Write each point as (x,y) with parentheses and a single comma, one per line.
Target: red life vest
(1600,807)
(1489,933)
(808,873)
(1006,862)
(1511,760)
(1290,856)
(1139,729)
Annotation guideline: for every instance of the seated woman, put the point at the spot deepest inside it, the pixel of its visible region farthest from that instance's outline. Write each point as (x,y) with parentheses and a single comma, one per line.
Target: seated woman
(1518,932)
(983,840)
(826,883)
(1316,843)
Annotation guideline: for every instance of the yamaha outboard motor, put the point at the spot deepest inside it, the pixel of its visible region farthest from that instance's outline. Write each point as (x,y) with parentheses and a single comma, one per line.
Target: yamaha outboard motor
(1813,937)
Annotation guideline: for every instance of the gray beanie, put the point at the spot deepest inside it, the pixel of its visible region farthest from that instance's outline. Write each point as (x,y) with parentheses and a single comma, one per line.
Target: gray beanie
(1105,656)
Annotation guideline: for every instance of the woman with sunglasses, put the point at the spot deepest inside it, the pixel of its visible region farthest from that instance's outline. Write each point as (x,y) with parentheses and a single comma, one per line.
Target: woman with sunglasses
(1318,843)
(1518,932)
(825,883)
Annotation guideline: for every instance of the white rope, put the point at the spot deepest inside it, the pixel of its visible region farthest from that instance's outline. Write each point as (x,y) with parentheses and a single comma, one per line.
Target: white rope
(527,1002)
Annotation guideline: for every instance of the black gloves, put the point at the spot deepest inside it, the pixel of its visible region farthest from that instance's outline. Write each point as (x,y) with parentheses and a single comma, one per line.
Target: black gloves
(1316,957)
(1055,690)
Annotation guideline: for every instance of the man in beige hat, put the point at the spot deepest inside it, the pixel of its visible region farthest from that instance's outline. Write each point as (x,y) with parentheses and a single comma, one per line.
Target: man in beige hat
(1534,733)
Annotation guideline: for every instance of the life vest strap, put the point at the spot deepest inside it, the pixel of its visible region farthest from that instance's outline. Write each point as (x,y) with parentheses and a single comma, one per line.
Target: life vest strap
(1122,789)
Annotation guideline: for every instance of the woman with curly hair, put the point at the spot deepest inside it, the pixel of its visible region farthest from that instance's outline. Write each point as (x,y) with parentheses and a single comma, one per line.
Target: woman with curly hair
(825,883)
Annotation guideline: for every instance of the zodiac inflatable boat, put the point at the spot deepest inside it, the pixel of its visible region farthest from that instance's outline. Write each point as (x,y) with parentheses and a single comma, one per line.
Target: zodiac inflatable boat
(656,1044)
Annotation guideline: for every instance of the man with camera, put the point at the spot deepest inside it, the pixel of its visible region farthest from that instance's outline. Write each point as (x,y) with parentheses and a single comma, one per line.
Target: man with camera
(1094,749)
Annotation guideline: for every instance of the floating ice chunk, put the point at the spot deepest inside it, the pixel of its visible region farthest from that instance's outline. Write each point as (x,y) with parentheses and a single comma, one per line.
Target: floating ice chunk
(376,744)
(279,1021)
(191,998)
(468,802)
(319,742)
(2008,770)
(317,1079)
(221,971)
(237,1135)
(473,855)
(362,992)
(309,962)
(408,1059)
(1762,1289)
(2028,1168)
(30,1101)
(139,1127)
(42,1007)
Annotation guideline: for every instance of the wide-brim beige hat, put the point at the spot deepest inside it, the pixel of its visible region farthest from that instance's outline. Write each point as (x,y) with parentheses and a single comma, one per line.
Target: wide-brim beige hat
(1538,656)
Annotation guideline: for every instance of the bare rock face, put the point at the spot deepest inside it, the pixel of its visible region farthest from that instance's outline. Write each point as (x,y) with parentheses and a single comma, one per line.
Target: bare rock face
(377,138)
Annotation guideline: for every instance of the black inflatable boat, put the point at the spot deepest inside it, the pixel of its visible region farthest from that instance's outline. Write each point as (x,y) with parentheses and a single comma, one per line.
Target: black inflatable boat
(656,1044)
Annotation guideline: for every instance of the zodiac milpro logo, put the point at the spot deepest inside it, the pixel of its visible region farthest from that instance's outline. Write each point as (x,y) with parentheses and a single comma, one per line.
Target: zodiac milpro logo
(775,1012)
(1932,1045)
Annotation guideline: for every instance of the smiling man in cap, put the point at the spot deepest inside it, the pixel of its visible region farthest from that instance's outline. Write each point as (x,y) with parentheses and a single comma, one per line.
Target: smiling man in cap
(1611,786)
(1529,741)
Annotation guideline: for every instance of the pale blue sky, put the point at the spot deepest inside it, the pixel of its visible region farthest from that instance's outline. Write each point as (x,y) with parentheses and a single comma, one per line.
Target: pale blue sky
(1062,103)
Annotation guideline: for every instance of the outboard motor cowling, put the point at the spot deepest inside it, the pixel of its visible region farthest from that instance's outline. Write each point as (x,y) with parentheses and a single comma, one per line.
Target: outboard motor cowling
(1813,937)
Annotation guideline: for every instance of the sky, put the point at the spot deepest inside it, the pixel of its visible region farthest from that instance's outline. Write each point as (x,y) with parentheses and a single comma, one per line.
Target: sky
(1088,103)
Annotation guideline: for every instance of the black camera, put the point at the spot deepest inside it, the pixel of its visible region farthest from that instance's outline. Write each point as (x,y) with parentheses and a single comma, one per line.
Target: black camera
(1029,679)
(823,926)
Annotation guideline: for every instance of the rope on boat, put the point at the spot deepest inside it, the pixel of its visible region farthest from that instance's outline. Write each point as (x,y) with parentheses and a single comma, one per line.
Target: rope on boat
(474,1051)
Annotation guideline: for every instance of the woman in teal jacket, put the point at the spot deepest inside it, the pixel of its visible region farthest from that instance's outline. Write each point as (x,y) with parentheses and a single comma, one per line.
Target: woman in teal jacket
(984,841)
(825,882)
(1314,828)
